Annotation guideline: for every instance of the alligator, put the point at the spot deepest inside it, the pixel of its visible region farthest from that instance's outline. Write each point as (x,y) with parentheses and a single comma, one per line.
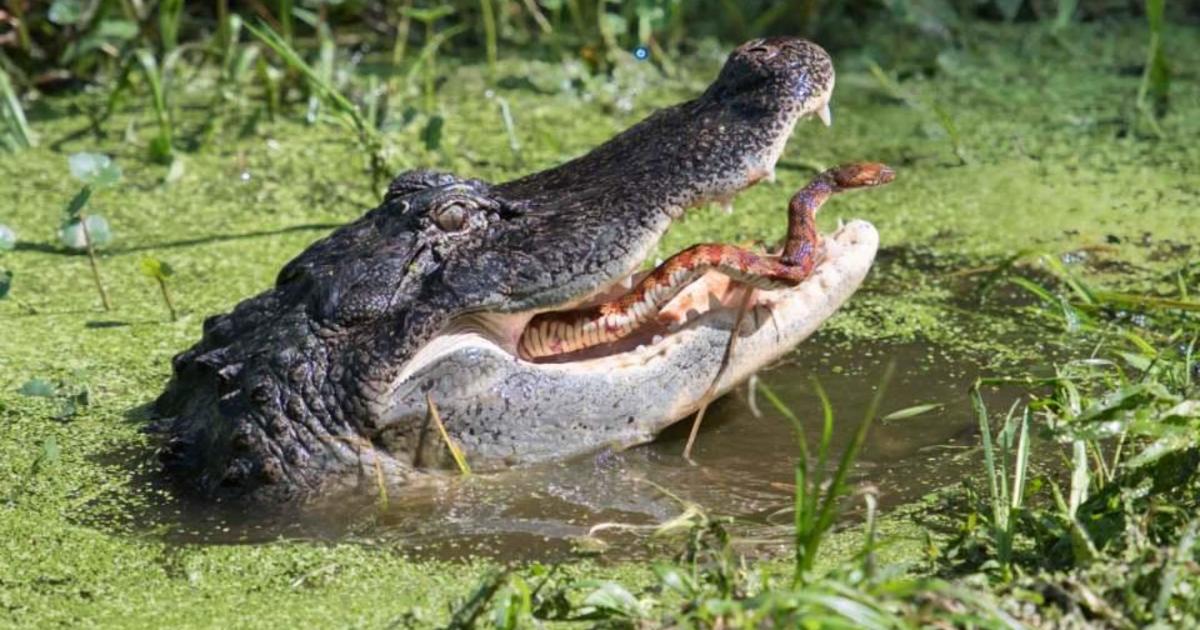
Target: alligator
(508,324)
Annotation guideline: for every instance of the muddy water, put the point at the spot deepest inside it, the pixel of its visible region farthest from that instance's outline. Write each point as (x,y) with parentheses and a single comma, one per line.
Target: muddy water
(742,469)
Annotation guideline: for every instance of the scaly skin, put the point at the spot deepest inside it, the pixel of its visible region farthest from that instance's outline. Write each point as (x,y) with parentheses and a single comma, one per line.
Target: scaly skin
(319,382)
(564,333)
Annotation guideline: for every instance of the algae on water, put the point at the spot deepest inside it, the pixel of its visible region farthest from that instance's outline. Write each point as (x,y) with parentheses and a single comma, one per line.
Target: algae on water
(1056,168)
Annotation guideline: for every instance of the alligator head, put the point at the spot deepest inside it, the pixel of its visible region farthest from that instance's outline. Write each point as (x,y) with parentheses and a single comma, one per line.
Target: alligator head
(331,379)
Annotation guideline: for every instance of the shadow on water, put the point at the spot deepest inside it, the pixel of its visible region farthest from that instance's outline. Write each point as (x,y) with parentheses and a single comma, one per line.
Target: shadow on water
(743,469)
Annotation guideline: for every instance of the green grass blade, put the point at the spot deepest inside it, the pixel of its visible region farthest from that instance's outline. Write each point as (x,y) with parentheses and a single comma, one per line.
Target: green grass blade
(787,413)
(14,114)
(850,454)
(912,412)
(1021,465)
(826,426)
(1080,477)
(989,451)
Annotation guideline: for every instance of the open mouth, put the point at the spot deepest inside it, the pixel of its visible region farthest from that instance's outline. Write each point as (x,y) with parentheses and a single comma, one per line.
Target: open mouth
(640,313)
(711,304)
(644,311)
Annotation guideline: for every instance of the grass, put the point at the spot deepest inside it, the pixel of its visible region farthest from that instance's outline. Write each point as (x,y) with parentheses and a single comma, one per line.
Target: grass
(1006,504)
(818,498)
(345,112)
(17,134)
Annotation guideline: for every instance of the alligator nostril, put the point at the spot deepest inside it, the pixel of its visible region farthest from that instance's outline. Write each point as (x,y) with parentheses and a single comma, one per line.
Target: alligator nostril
(764,51)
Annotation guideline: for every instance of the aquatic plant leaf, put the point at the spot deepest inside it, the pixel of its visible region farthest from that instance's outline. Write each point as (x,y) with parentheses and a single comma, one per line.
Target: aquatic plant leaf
(1162,447)
(155,268)
(38,388)
(66,12)
(8,238)
(513,605)
(1124,399)
(431,14)
(613,599)
(1185,409)
(48,456)
(71,232)
(120,30)
(675,579)
(107,34)
(96,169)
(77,203)
(67,410)
(913,411)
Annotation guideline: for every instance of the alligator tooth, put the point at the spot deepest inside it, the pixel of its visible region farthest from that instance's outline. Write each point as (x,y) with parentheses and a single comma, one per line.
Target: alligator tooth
(654,340)
(825,115)
(841,223)
(770,178)
(727,205)
(627,283)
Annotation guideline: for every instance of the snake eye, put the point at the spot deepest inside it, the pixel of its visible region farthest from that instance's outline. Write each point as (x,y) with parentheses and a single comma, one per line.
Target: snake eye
(451,217)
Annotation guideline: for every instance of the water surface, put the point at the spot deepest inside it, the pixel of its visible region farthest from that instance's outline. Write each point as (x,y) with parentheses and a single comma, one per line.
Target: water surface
(742,468)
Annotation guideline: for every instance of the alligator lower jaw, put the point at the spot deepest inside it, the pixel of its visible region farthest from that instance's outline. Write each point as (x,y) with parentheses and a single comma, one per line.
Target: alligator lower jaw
(772,322)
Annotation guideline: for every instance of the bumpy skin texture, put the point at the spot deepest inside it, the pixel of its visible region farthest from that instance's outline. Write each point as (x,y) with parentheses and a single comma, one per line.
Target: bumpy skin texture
(283,397)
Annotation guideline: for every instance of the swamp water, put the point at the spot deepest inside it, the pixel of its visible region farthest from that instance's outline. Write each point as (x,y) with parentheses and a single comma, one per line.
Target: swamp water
(614,501)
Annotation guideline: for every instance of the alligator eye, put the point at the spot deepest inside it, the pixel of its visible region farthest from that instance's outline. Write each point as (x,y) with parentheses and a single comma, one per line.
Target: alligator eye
(451,217)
